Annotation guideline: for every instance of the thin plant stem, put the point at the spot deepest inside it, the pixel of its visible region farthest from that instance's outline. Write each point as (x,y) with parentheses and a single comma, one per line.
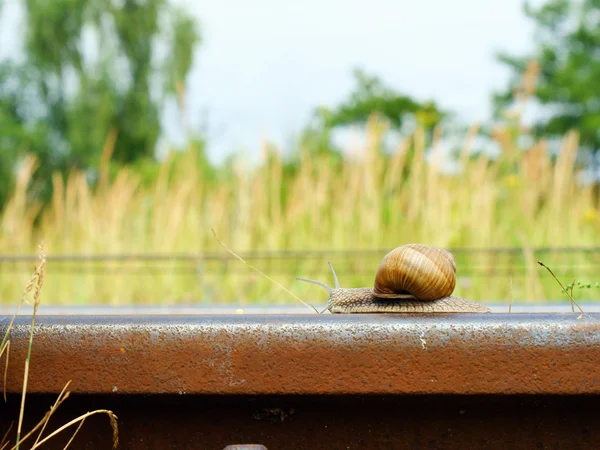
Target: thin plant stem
(5,441)
(572,286)
(39,281)
(573,302)
(74,434)
(6,347)
(36,284)
(61,397)
(25,380)
(511,294)
(262,273)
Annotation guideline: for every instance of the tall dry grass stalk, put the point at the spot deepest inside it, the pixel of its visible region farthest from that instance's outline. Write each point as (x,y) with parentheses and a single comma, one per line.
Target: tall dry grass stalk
(366,203)
(33,289)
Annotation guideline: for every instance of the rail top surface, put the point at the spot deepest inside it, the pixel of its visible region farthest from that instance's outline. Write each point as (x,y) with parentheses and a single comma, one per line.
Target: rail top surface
(310,354)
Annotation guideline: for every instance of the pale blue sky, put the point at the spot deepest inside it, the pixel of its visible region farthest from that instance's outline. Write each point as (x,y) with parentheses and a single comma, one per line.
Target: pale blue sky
(265,64)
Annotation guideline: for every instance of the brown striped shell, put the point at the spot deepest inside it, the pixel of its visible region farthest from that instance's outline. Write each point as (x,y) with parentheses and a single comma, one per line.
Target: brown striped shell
(427,273)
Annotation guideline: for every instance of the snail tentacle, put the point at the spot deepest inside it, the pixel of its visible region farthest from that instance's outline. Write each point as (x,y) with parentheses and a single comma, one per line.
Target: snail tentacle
(320,283)
(335,278)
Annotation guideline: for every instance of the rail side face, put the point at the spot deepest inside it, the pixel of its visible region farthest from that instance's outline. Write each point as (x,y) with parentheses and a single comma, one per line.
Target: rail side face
(316,381)
(311,354)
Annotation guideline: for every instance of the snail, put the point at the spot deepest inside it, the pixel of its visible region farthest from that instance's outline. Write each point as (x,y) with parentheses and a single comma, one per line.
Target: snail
(412,278)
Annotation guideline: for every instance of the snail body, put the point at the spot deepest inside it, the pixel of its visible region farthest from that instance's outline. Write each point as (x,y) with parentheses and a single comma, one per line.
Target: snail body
(412,278)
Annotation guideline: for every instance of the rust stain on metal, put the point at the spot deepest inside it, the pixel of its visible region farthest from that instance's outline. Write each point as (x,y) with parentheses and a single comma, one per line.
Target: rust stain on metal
(311,354)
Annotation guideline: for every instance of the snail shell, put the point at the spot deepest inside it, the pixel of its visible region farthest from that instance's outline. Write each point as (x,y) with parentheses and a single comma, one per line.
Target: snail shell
(427,273)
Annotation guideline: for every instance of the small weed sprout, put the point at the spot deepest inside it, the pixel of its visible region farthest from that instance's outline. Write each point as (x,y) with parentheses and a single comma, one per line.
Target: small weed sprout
(579,285)
(566,289)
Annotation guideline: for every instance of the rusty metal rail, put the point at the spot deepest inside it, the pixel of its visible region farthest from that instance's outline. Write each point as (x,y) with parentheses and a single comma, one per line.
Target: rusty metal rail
(321,381)
(313,354)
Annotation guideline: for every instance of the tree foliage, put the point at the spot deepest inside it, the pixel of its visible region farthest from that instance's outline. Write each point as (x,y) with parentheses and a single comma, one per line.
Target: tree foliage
(371,95)
(92,67)
(567,53)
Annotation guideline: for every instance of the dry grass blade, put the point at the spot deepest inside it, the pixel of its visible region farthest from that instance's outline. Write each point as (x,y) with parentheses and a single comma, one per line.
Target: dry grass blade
(573,302)
(5,441)
(42,423)
(263,274)
(61,398)
(38,281)
(74,434)
(113,422)
(571,291)
(511,294)
(5,347)
(35,285)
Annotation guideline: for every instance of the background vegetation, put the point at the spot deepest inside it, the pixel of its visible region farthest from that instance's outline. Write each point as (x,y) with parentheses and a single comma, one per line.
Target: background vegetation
(78,168)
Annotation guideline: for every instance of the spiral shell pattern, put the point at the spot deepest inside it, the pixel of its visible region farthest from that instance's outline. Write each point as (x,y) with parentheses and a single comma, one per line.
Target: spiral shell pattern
(427,273)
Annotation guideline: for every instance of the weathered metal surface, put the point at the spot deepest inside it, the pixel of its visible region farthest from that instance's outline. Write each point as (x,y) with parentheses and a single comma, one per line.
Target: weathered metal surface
(311,354)
(326,422)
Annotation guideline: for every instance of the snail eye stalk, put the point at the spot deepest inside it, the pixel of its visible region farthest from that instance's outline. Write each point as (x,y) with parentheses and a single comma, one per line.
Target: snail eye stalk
(335,278)
(320,283)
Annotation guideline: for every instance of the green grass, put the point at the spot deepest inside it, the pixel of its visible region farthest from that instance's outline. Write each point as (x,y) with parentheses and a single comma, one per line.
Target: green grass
(371,201)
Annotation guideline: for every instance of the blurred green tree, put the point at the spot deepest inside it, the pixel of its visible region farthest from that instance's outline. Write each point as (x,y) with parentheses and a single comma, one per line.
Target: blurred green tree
(567,70)
(371,95)
(92,68)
